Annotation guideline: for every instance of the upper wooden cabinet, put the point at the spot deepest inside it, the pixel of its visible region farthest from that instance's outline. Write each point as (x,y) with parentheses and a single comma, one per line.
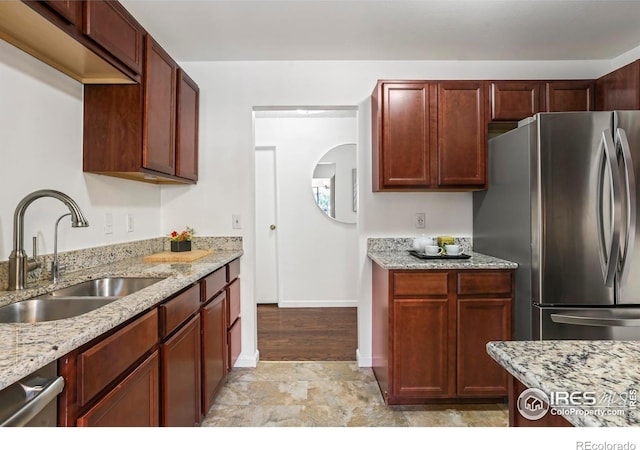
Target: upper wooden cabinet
(512,100)
(570,95)
(130,131)
(517,100)
(93,42)
(429,135)
(619,89)
(109,25)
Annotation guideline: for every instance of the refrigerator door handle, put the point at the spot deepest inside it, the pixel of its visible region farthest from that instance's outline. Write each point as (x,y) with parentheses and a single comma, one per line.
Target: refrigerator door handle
(608,163)
(577,319)
(630,187)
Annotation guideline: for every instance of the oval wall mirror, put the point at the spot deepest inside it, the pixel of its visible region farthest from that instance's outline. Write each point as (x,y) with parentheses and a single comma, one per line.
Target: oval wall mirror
(335,184)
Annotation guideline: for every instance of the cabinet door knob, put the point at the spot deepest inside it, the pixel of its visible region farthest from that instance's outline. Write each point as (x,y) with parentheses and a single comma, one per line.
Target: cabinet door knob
(272,227)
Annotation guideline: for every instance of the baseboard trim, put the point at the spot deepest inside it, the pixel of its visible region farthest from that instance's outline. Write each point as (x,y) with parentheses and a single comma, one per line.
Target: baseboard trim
(248,360)
(318,304)
(363,361)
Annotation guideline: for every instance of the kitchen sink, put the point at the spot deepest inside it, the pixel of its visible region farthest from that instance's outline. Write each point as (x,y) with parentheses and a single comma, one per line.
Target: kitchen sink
(73,300)
(105,287)
(43,310)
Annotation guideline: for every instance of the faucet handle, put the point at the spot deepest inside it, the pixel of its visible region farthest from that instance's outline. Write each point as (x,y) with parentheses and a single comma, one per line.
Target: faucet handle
(33,263)
(35,247)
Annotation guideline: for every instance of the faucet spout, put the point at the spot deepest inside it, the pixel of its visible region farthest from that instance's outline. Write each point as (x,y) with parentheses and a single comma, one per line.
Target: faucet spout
(19,263)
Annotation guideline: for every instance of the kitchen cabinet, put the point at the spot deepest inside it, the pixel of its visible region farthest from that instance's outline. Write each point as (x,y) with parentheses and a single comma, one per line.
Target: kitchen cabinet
(234,321)
(214,336)
(111,26)
(619,89)
(570,95)
(515,100)
(429,135)
(91,41)
(430,328)
(97,374)
(180,359)
(130,131)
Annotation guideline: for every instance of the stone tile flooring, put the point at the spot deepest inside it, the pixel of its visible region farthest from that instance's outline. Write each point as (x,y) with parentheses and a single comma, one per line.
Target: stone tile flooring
(329,394)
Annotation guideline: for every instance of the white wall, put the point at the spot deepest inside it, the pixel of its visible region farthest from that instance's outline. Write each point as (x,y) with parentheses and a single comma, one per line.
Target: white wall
(41,146)
(316,254)
(230,90)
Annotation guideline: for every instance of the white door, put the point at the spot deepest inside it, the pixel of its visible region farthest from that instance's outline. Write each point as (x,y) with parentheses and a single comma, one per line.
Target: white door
(266,230)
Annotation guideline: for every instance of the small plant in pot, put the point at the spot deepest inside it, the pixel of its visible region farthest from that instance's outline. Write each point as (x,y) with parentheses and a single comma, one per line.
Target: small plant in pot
(181,242)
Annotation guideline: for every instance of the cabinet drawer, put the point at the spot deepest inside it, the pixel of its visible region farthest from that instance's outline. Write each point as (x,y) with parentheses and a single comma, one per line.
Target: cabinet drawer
(133,403)
(420,283)
(178,309)
(235,342)
(214,283)
(233,302)
(233,270)
(484,283)
(105,361)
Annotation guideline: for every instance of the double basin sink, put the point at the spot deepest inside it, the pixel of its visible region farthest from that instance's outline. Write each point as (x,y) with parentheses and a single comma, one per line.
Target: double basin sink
(74,300)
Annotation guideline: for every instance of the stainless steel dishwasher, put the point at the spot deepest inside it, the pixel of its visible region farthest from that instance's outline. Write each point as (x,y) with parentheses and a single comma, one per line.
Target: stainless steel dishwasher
(32,401)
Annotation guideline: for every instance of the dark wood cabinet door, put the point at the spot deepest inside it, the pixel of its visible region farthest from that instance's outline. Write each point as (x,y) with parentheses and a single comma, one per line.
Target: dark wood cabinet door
(159,109)
(214,349)
(132,403)
(565,96)
(404,147)
(68,9)
(511,100)
(462,134)
(111,26)
(180,363)
(619,89)
(478,322)
(187,127)
(420,350)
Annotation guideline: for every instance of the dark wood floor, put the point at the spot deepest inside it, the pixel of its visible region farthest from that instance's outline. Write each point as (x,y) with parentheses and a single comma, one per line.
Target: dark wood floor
(307,334)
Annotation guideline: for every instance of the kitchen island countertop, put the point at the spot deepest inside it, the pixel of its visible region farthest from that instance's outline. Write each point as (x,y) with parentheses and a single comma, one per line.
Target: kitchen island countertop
(403,260)
(610,369)
(26,347)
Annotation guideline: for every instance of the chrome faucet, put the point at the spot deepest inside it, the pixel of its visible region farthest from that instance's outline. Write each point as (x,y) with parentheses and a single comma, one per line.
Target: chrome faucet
(19,263)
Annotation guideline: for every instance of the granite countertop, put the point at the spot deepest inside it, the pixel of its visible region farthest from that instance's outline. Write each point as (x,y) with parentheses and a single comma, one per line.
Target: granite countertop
(403,260)
(610,369)
(26,347)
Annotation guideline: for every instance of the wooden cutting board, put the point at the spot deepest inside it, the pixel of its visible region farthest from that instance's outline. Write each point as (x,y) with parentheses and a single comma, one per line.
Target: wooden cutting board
(169,256)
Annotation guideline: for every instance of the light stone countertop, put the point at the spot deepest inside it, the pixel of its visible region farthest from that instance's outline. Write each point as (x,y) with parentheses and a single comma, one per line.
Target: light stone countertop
(26,347)
(403,260)
(610,369)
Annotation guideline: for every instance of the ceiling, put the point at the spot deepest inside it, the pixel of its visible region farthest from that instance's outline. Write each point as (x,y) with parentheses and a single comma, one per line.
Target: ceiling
(239,30)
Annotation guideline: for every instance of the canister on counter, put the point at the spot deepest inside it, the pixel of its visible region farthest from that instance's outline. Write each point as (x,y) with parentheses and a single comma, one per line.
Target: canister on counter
(442,240)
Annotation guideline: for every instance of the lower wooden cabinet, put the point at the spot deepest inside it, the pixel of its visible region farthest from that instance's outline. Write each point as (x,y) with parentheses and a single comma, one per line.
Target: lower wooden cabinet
(135,402)
(430,329)
(180,363)
(214,348)
(233,322)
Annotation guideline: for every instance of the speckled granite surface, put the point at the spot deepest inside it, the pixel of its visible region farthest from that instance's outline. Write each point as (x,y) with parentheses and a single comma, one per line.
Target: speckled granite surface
(611,369)
(393,254)
(25,348)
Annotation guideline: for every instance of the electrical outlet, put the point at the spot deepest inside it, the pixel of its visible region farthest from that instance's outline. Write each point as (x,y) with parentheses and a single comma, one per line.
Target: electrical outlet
(108,223)
(419,221)
(236,223)
(129,223)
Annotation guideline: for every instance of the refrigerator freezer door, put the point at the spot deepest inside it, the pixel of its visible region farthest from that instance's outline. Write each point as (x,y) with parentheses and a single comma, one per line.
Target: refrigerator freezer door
(629,275)
(586,323)
(565,227)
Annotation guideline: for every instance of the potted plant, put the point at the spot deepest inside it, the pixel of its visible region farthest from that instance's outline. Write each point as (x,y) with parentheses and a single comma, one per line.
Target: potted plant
(181,242)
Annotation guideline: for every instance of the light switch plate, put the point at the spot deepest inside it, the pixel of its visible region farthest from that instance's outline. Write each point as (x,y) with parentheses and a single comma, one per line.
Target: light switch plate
(236,222)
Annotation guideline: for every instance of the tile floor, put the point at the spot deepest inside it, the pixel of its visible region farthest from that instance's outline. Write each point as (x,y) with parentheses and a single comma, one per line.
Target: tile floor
(329,394)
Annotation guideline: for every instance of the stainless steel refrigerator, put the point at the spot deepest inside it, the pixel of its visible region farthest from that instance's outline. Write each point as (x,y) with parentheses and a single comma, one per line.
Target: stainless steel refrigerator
(562,202)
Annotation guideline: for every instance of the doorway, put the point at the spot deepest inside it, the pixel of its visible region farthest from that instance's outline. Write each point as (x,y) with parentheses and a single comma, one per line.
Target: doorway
(306,260)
